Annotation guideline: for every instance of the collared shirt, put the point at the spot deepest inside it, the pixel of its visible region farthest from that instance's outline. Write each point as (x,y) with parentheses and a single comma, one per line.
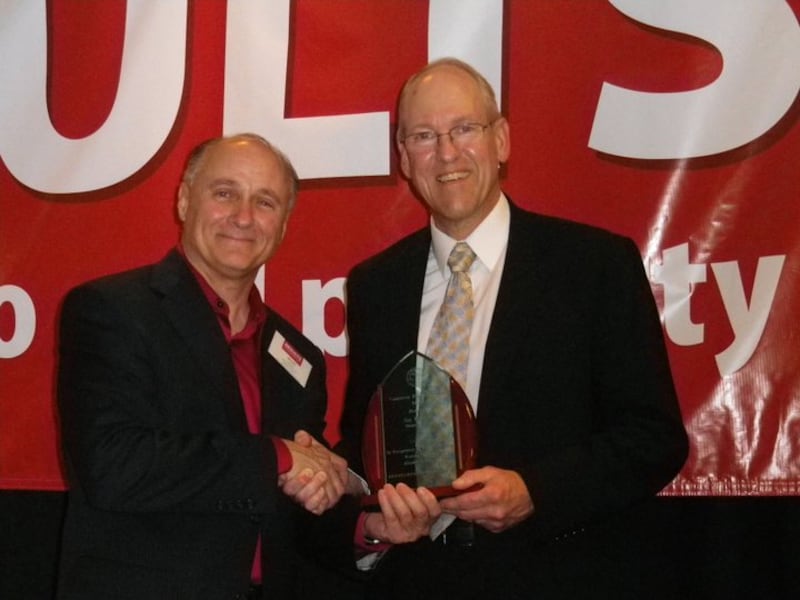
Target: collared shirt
(489,241)
(245,347)
(245,351)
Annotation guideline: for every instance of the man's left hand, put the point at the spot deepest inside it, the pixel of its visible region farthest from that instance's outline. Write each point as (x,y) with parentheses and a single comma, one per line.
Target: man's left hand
(501,502)
(406,514)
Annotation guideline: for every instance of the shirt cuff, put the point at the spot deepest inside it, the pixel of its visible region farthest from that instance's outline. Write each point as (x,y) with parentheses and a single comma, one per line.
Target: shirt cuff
(283,455)
(362,543)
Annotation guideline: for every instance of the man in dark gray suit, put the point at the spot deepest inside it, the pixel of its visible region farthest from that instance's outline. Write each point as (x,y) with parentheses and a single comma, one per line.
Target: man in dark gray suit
(191,412)
(577,414)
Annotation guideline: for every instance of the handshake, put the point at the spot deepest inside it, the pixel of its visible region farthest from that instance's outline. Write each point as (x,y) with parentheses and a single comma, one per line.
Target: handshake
(318,479)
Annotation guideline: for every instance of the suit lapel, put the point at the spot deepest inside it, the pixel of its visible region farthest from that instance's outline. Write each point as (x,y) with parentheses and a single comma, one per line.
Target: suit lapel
(275,386)
(520,287)
(187,309)
(404,296)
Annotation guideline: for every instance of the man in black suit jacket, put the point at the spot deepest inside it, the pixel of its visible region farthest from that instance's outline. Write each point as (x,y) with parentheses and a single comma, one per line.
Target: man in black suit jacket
(182,399)
(577,415)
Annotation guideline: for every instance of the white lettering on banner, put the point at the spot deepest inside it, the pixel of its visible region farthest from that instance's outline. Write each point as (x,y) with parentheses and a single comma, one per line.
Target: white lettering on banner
(678,277)
(24,319)
(747,322)
(315,297)
(453,30)
(676,274)
(758,83)
(256,62)
(153,58)
(261,282)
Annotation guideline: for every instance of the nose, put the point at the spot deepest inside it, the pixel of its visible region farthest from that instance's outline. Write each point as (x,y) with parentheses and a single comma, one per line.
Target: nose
(446,148)
(242,214)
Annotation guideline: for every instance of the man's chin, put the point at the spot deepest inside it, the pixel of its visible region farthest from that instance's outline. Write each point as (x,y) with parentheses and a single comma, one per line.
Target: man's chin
(240,269)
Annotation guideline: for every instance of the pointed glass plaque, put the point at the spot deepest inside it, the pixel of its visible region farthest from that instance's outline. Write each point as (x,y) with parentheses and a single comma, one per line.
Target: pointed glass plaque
(419,430)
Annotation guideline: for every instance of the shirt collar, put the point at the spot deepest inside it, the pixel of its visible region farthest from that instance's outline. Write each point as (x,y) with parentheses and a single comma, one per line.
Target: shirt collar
(488,241)
(258,312)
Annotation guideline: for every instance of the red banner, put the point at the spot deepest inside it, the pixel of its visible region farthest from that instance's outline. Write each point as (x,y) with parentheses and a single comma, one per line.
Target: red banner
(671,121)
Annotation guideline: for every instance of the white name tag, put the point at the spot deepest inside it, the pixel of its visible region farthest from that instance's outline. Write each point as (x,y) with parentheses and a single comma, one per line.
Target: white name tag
(290,359)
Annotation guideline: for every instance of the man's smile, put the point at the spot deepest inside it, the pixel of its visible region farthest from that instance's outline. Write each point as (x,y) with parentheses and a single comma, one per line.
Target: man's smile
(455,176)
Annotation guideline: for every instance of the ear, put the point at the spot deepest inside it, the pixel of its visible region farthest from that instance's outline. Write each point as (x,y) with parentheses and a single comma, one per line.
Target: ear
(183,202)
(404,161)
(283,229)
(502,139)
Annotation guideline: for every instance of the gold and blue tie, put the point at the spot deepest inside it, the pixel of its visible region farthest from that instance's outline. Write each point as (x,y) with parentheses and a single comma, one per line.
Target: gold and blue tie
(448,345)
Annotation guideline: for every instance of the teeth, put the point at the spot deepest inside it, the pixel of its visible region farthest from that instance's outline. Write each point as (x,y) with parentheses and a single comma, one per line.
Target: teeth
(451,177)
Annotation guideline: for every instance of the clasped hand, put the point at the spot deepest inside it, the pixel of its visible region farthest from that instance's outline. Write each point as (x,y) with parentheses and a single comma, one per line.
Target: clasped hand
(501,501)
(406,514)
(317,478)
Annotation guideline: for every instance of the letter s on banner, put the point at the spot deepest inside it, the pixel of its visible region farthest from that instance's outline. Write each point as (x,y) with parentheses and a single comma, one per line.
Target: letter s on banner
(757,85)
(25,321)
(153,58)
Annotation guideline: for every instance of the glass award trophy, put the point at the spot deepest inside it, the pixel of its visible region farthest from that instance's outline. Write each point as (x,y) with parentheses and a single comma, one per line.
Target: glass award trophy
(419,430)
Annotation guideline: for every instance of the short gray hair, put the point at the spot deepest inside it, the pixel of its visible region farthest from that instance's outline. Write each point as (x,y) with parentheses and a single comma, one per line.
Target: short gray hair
(198,154)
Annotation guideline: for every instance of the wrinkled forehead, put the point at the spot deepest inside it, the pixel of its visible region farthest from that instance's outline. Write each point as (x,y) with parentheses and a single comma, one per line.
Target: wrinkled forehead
(243,166)
(240,160)
(231,152)
(441,93)
(243,157)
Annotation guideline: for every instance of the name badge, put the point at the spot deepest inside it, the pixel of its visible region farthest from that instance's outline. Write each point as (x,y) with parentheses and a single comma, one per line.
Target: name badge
(290,359)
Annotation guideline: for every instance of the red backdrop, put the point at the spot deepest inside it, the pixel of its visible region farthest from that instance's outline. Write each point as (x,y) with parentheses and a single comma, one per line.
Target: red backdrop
(673,122)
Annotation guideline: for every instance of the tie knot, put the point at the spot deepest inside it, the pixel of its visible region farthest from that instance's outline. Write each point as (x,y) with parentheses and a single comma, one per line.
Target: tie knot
(461,258)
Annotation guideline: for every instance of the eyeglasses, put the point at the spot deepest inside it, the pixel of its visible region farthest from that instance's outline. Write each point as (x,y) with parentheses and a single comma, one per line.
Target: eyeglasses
(461,135)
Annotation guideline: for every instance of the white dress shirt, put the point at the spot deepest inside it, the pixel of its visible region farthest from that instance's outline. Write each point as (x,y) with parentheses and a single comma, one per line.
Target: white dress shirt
(489,242)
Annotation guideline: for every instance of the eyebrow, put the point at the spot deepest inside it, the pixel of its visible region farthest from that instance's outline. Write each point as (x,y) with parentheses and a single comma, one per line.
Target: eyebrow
(460,120)
(222,181)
